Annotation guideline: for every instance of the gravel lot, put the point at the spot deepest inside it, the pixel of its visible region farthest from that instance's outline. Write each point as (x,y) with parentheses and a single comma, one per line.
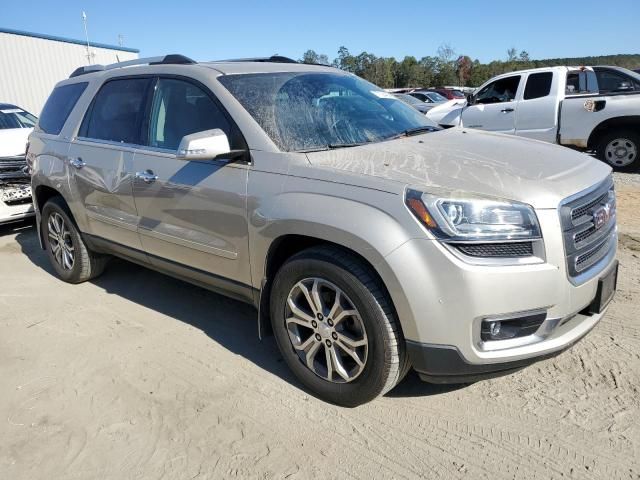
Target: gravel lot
(137,375)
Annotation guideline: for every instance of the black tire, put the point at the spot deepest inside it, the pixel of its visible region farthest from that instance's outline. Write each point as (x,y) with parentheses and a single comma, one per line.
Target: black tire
(387,361)
(86,264)
(632,142)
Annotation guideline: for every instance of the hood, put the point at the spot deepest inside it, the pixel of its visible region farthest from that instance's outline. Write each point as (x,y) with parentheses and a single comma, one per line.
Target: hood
(503,166)
(13,141)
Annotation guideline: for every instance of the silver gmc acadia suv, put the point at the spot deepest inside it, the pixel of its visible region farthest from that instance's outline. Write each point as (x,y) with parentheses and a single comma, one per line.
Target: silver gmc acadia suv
(369,240)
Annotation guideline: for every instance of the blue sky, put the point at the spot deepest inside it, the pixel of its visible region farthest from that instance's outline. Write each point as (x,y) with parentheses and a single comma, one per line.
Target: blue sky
(207,30)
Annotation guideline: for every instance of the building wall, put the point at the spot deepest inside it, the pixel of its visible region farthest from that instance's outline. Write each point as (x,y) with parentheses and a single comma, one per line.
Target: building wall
(30,66)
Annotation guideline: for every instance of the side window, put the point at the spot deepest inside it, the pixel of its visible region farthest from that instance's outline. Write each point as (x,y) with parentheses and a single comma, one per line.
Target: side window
(59,106)
(611,81)
(538,85)
(181,108)
(503,90)
(117,111)
(581,82)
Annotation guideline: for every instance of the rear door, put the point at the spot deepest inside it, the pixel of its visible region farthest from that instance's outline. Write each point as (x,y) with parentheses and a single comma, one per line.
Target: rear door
(537,110)
(101,159)
(192,213)
(495,106)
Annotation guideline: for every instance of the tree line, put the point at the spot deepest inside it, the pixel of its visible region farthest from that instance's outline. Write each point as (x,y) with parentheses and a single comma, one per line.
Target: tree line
(448,67)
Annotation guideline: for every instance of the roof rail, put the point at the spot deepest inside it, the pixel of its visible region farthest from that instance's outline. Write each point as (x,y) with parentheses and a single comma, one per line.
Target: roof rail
(172,59)
(271,59)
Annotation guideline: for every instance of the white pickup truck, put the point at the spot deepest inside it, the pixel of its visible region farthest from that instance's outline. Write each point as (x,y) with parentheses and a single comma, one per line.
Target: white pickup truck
(587,108)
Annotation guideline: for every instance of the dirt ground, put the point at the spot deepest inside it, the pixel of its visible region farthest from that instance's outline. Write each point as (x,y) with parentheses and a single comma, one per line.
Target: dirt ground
(137,375)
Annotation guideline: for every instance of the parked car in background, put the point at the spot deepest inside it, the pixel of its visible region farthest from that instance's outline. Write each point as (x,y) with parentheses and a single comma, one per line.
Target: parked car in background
(449,93)
(432,98)
(370,241)
(587,108)
(15,190)
(419,105)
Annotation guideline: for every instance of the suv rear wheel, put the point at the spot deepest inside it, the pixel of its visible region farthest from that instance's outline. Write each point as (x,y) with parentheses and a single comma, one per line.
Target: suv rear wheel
(336,328)
(72,260)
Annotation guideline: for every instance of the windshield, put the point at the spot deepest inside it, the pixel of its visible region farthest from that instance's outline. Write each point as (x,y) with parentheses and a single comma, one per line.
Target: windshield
(436,97)
(311,111)
(16,118)
(409,99)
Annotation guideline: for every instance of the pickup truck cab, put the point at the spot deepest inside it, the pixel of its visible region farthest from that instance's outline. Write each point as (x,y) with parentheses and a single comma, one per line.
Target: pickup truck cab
(587,108)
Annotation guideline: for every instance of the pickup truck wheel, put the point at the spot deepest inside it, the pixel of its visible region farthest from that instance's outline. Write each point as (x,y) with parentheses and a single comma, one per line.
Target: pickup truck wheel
(620,149)
(336,328)
(68,254)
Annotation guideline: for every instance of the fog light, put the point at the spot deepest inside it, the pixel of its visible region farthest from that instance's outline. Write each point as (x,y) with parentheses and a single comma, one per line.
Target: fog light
(511,327)
(494,328)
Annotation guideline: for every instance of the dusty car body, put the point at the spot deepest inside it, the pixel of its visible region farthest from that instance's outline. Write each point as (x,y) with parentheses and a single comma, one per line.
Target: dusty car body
(368,240)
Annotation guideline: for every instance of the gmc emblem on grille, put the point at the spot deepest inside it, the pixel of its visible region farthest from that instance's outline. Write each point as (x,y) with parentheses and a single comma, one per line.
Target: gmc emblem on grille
(601,216)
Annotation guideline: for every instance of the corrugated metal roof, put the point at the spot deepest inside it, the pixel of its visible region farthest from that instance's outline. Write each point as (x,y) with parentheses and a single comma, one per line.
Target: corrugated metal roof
(67,40)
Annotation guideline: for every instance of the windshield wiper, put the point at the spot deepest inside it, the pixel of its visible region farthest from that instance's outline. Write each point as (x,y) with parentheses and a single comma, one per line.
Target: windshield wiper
(345,145)
(331,146)
(415,131)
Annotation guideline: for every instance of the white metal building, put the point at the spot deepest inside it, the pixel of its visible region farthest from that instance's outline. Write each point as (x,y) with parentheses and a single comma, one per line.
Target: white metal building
(32,63)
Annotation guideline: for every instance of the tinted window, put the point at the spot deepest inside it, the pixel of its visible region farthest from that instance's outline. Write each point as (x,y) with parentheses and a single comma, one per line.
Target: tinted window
(581,82)
(420,96)
(117,111)
(503,90)
(181,108)
(611,81)
(59,106)
(538,85)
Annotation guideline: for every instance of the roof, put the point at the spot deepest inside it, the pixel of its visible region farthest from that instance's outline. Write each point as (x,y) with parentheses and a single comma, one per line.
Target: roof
(67,40)
(235,67)
(4,106)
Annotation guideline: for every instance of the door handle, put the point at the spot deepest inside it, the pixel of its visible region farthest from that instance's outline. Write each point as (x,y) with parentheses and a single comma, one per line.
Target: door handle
(507,110)
(77,163)
(147,176)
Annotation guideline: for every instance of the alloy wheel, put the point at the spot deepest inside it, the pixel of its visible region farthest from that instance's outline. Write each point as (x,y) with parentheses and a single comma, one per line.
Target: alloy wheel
(60,241)
(326,330)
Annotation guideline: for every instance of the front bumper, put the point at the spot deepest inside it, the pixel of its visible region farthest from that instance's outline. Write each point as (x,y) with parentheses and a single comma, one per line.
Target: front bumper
(445,300)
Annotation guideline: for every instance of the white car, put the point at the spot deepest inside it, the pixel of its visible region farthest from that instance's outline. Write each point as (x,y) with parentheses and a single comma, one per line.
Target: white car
(586,108)
(15,190)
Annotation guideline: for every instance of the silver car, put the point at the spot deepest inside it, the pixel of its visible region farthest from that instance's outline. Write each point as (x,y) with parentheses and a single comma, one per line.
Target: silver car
(369,241)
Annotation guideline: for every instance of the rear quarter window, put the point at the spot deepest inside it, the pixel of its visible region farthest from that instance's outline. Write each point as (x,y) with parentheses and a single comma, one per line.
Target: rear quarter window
(59,106)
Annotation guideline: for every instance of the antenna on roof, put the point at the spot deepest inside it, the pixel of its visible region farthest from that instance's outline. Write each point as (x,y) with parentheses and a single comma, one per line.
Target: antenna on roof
(86,34)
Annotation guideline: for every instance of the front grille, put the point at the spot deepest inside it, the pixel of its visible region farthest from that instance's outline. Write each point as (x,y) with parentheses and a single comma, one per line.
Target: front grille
(585,242)
(493,250)
(583,212)
(595,254)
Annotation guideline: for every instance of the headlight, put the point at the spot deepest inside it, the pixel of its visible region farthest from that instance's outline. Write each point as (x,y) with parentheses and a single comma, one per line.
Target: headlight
(461,218)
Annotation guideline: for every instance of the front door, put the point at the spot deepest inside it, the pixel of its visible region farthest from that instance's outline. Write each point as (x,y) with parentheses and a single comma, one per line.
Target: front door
(192,213)
(101,160)
(495,106)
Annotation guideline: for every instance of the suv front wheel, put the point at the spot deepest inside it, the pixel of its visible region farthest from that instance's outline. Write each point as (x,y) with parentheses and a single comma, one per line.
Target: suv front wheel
(72,260)
(336,328)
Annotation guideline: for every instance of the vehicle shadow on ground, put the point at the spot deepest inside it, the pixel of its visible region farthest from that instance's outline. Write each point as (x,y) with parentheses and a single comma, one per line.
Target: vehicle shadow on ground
(228,322)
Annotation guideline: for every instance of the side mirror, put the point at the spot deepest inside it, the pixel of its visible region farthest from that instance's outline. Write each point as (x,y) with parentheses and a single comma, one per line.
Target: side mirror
(471,99)
(205,145)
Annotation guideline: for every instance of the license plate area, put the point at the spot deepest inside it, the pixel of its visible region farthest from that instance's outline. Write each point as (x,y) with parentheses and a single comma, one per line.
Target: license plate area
(606,290)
